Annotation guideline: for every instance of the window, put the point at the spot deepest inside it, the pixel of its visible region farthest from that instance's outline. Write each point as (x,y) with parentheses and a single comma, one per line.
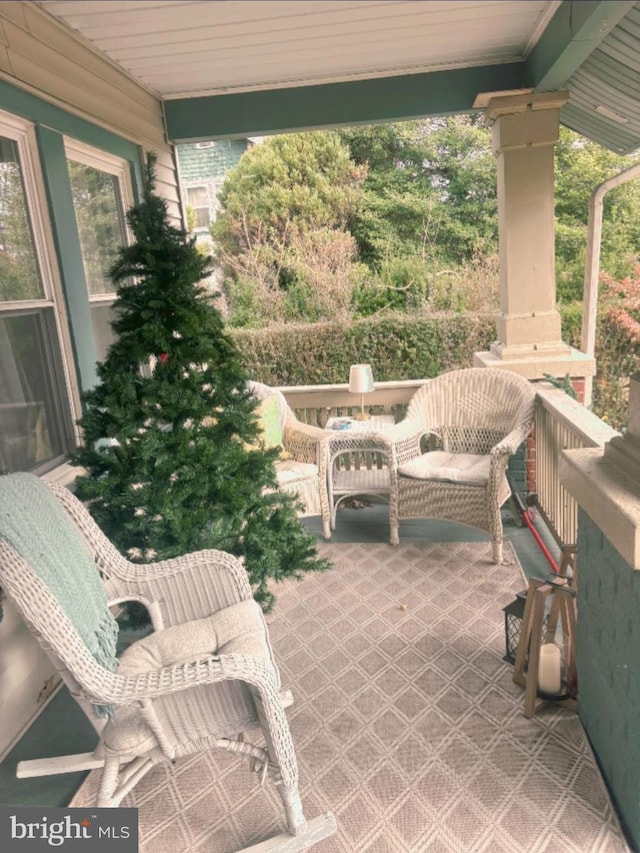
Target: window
(198,200)
(36,424)
(101,191)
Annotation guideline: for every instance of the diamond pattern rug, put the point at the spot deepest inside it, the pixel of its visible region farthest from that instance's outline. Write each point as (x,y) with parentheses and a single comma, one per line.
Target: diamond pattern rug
(406,723)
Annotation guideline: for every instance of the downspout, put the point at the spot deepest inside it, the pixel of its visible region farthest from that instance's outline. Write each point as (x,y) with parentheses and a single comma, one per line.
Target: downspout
(592,268)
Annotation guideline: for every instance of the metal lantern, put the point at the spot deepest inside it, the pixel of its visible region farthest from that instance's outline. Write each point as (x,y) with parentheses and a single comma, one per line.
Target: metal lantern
(513,614)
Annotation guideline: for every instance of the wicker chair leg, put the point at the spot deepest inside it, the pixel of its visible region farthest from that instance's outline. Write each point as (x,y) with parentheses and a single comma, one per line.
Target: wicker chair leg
(497,552)
(108,782)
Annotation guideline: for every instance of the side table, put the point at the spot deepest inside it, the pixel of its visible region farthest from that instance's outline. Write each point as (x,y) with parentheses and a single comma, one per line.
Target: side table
(348,477)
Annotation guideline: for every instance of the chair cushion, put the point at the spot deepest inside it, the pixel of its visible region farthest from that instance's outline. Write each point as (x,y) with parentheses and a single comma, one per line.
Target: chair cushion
(290,471)
(239,629)
(269,420)
(466,468)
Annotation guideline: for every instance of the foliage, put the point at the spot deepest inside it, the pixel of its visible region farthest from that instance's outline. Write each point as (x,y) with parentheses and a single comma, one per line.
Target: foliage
(286,203)
(399,346)
(430,190)
(410,284)
(580,166)
(98,218)
(171,431)
(19,277)
(617,346)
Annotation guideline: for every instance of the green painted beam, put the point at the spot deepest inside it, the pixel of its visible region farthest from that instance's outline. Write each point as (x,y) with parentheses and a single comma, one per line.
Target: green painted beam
(331,104)
(65,234)
(574,32)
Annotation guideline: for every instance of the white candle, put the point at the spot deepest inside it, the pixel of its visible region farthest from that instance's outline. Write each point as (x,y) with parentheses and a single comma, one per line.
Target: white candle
(549,680)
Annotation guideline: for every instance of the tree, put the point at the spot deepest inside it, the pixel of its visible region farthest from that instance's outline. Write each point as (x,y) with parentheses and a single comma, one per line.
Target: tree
(430,191)
(580,165)
(289,193)
(171,435)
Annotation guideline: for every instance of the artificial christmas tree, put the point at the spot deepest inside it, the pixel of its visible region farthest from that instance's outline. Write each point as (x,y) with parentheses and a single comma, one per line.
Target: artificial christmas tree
(171,436)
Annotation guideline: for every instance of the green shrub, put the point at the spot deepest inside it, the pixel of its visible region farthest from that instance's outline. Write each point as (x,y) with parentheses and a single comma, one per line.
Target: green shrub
(399,347)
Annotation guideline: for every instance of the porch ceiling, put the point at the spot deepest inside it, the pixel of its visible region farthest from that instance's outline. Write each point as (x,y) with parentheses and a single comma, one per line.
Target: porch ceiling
(229,68)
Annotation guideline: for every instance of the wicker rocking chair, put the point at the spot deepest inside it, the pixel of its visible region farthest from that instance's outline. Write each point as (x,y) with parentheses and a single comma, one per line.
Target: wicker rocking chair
(304,471)
(203,677)
(472,421)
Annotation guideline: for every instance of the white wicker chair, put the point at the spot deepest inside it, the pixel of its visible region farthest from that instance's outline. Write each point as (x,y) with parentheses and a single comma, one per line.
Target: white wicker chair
(473,421)
(160,711)
(304,474)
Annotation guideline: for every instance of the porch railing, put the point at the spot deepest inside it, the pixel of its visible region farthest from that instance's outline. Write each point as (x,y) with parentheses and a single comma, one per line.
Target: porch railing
(561,423)
(315,404)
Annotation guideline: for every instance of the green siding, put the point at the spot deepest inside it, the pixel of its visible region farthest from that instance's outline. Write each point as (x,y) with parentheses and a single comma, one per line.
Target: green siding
(608,651)
(206,163)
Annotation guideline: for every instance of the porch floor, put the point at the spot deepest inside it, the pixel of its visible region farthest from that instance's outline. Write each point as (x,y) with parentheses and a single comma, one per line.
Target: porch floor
(62,728)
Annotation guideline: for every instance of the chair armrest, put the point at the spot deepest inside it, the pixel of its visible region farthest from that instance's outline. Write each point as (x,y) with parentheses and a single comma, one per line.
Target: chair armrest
(404,440)
(154,683)
(305,442)
(511,442)
(186,588)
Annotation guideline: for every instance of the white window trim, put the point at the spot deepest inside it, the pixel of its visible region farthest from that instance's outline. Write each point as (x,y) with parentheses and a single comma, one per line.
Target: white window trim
(22,132)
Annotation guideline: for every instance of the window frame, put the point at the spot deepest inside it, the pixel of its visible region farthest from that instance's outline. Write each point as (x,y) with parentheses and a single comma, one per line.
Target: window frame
(200,229)
(96,158)
(50,309)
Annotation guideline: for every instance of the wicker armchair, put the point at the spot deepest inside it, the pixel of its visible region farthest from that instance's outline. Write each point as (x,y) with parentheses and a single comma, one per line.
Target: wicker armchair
(304,472)
(203,677)
(472,421)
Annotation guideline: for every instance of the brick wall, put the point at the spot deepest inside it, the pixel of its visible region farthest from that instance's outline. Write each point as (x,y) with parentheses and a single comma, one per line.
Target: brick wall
(608,652)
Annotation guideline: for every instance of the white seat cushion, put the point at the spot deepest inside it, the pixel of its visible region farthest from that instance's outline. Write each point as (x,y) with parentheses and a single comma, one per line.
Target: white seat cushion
(290,471)
(239,629)
(466,468)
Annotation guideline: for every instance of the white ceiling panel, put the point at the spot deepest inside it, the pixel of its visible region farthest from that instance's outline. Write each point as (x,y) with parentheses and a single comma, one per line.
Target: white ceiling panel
(215,46)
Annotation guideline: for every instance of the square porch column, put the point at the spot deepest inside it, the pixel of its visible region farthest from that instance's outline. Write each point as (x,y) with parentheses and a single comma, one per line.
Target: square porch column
(529,341)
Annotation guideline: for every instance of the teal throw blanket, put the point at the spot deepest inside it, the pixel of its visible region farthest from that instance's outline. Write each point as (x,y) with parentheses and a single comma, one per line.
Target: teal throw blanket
(36,525)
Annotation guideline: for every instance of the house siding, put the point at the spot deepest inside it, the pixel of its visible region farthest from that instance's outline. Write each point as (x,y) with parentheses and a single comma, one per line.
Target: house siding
(608,650)
(42,57)
(57,82)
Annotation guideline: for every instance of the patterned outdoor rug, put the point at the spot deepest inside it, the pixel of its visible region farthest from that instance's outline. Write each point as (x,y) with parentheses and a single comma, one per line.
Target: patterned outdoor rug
(406,723)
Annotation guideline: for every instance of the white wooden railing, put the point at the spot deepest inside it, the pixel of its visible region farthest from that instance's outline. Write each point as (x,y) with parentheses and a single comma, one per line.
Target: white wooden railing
(315,404)
(561,423)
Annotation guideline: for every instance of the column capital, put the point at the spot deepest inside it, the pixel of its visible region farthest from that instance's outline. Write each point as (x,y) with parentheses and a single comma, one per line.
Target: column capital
(510,104)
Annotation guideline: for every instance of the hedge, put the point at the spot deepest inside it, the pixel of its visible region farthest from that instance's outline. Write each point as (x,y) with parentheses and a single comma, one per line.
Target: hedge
(398,346)
(404,347)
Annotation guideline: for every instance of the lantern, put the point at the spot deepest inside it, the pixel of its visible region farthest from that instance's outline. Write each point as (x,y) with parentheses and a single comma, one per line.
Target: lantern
(513,614)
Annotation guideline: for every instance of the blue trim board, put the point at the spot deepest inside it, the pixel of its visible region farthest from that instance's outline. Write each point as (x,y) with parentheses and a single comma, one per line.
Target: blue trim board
(67,242)
(331,104)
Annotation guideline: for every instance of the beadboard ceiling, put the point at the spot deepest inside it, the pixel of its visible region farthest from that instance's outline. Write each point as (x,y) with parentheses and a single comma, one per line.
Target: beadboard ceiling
(189,48)
(184,50)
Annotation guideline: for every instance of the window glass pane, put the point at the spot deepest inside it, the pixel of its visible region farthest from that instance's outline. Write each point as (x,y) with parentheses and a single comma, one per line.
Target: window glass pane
(96,199)
(19,275)
(29,435)
(101,315)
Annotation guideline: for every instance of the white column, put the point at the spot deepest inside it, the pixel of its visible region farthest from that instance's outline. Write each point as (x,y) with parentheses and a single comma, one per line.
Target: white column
(525,129)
